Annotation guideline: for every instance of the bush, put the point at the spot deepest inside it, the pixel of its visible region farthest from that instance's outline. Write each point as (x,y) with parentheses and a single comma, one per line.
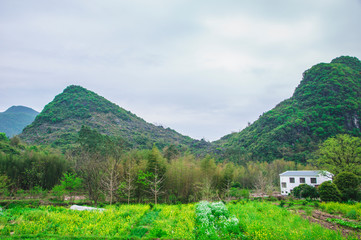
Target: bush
(348,184)
(329,192)
(305,191)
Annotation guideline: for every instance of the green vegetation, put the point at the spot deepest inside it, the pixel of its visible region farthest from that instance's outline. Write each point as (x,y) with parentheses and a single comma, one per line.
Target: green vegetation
(213,221)
(341,153)
(327,102)
(329,192)
(15,119)
(243,220)
(354,225)
(108,172)
(305,191)
(349,185)
(351,210)
(61,119)
(26,167)
(263,220)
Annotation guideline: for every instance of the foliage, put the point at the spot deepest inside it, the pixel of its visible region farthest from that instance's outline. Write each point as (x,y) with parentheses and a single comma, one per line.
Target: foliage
(63,222)
(341,153)
(4,184)
(76,106)
(264,220)
(326,103)
(348,184)
(69,183)
(329,192)
(213,221)
(352,211)
(305,191)
(354,225)
(246,220)
(29,166)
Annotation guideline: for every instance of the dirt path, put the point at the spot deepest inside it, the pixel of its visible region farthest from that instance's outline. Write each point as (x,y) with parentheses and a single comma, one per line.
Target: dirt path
(321,218)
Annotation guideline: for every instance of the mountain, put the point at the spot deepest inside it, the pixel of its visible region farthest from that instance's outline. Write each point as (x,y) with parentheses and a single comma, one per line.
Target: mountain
(326,102)
(60,121)
(14,119)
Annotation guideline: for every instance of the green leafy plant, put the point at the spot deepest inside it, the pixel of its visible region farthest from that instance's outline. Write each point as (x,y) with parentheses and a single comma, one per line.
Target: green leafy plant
(329,192)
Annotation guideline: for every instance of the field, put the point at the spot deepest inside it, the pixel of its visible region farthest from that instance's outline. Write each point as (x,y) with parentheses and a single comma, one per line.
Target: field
(239,220)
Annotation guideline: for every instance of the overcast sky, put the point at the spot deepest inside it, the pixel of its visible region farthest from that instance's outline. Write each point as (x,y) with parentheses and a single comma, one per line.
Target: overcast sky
(204,68)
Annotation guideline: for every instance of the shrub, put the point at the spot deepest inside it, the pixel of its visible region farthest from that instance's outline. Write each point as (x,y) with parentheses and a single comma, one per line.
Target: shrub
(348,184)
(305,191)
(329,192)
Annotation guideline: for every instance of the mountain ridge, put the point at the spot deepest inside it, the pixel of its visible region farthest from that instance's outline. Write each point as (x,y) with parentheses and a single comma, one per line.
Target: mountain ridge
(63,117)
(325,103)
(15,119)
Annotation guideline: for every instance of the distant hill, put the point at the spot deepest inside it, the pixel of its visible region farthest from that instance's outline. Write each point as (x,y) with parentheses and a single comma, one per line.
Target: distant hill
(14,119)
(326,102)
(60,121)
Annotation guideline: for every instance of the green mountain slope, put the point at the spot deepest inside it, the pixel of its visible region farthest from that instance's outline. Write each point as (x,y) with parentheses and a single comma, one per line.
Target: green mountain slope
(326,102)
(13,120)
(60,121)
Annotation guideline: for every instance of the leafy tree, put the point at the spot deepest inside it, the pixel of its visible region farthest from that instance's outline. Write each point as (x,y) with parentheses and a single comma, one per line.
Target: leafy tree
(305,191)
(341,153)
(348,184)
(70,183)
(329,192)
(4,184)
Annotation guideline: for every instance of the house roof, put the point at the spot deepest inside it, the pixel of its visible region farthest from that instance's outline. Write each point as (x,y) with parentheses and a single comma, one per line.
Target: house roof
(303,173)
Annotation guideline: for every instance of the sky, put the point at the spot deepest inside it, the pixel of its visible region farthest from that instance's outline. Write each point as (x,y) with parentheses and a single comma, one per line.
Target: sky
(204,68)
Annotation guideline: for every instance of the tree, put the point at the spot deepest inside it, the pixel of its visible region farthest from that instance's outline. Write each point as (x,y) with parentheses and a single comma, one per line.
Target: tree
(111,178)
(4,184)
(348,184)
(155,170)
(155,183)
(228,173)
(70,183)
(90,169)
(129,178)
(341,153)
(329,192)
(305,191)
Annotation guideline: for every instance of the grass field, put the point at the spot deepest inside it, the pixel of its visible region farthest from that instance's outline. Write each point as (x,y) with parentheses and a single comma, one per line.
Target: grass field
(244,220)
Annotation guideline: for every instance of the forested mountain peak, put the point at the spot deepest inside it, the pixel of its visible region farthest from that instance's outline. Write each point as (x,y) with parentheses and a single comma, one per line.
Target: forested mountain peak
(352,62)
(61,119)
(326,102)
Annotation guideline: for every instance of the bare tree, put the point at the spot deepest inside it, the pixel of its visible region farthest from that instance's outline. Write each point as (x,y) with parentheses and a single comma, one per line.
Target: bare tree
(129,178)
(155,184)
(111,178)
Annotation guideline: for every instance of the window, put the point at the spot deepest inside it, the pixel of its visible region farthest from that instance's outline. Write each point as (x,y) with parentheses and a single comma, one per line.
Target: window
(313,180)
(284,185)
(302,180)
(292,180)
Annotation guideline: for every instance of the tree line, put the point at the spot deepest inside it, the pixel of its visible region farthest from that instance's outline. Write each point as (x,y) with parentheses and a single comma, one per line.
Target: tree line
(100,167)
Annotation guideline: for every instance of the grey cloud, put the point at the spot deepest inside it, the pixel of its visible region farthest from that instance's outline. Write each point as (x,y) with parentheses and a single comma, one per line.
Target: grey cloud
(203,68)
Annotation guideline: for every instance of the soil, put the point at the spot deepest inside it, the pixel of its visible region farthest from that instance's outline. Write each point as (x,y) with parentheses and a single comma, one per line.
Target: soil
(321,218)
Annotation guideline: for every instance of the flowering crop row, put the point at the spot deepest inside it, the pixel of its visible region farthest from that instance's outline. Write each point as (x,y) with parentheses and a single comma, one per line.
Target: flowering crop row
(213,221)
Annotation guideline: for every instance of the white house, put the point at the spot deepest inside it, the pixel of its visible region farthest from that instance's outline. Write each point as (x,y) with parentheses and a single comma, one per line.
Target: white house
(291,179)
